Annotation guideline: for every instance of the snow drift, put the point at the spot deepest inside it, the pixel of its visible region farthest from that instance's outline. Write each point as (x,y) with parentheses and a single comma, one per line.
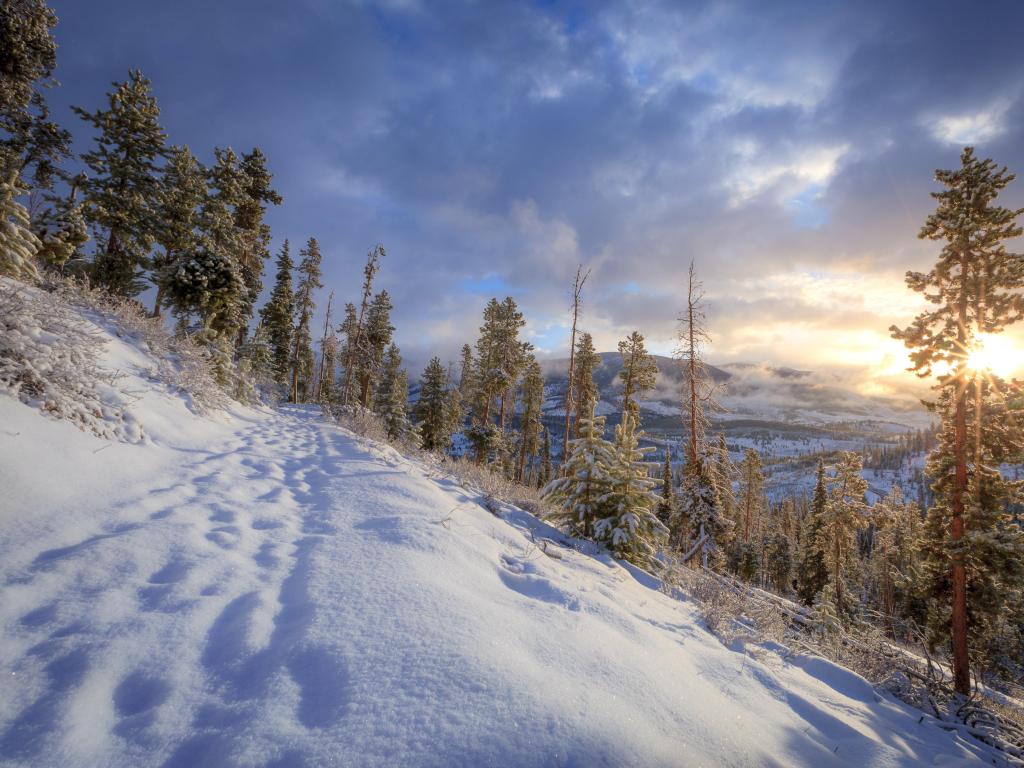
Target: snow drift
(263,588)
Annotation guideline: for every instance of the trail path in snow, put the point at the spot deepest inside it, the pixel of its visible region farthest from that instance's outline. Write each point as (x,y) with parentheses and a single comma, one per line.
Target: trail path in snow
(289,598)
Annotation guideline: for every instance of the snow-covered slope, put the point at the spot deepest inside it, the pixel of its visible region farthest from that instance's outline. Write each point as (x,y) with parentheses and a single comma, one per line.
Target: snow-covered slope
(268,589)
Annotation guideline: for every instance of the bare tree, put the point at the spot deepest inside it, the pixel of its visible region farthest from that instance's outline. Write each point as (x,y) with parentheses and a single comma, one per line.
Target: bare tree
(577,292)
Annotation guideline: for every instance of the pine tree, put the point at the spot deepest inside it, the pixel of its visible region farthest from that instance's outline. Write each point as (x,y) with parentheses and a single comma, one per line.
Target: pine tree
(323,391)
(499,359)
(376,337)
(31,145)
(585,389)
(433,412)
(533,401)
(355,334)
(182,194)
(639,372)
(751,500)
(391,396)
(843,518)
(976,289)
(897,529)
(255,194)
(629,524)
(666,508)
(277,315)
(302,359)
(467,381)
(723,472)
(18,246)
(812,574)
(585,480)
(124,187)
(544,476)
(62,231)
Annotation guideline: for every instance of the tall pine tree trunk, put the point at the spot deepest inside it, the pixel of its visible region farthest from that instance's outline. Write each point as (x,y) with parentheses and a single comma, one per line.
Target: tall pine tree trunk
(958,571)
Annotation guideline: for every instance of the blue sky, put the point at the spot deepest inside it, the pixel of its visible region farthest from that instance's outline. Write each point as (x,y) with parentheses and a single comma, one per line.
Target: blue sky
(787,148)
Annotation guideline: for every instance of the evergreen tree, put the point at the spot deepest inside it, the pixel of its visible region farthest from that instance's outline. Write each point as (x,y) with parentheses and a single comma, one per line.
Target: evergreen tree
(433,412)
(666,508)
(500,356)
(376,337)
(255,194)
(639,373)
(812,574)
(544,476)
(355,342)
(124,187)
(31,145)
(62,231)
(302,359)
(723,471)
(629,524)
(585,393)
(182,194)
(392,395)
(699,510)
(751,500)
(18,246)
(277,316)
(975,287)
(779,561)
(533,401)
(585,480)
(467,381)
(897,528)
(843,518)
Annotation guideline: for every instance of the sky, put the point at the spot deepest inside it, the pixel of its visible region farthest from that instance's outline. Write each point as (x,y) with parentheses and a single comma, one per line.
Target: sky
(786,148)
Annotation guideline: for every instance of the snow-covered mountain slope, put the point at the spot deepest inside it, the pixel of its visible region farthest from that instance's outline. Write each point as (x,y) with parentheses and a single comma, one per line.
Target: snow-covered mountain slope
(268,589)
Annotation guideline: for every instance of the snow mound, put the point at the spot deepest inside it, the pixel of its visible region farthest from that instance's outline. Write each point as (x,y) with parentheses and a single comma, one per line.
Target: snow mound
(270,590)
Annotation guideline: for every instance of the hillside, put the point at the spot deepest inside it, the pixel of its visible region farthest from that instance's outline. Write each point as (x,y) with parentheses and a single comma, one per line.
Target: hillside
(261,587)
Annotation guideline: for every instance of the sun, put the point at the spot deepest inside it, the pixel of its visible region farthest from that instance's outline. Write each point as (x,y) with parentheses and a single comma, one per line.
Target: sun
(994,354)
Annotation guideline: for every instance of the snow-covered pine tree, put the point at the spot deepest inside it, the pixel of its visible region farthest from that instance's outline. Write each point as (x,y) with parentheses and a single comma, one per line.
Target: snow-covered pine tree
(513,355)
(639,372)
(391,396)
(31,145)
(182,193)
(357,327)
(277,316)
(323,389)
(812,573)
(585,394)
(844,516)
(432,411)
(123,187)
(533,401)
(723,473)
(544,475)
(302,358)
(499,359)
(825,620)
(897,528)
(975,287)
(375,339)
(62,229)
(18,246)
(467,381)
(667,505)
(629,525)
(751,498)
(585,479)
(255,194)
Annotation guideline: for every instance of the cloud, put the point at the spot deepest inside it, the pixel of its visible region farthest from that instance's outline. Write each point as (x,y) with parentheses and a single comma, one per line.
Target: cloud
(787,148)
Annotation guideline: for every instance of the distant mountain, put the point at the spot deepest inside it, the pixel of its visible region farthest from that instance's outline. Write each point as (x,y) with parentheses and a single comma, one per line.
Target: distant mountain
(752,395)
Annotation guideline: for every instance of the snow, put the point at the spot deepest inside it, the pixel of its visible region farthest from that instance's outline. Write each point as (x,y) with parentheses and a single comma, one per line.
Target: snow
(264,588)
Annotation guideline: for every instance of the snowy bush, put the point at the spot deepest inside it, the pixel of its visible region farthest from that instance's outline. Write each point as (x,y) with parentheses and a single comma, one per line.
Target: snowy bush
(49,359)
(182,364)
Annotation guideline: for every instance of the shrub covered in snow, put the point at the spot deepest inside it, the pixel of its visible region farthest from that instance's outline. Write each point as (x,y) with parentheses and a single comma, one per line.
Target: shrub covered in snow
(49,359)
